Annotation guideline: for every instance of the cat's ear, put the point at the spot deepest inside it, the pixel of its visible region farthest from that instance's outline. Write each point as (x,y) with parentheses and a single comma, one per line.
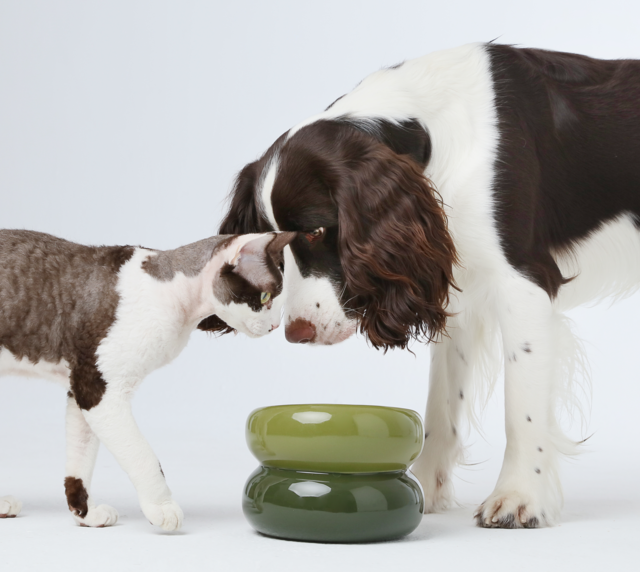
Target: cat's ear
(279,241)
(259,259)
(274,250)
(253,250)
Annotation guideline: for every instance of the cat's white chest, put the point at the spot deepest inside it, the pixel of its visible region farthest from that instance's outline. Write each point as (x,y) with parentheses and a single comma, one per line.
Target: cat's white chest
(154,320)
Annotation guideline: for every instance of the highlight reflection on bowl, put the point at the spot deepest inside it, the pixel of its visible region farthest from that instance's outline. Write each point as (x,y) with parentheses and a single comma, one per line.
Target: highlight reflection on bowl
(335,438)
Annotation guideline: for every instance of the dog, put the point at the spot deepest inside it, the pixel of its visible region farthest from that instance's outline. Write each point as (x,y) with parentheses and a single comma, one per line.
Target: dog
(468,198)
(98,320)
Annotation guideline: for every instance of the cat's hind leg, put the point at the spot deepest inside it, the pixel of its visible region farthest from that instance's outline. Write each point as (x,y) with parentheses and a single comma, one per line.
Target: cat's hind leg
(10,507)
(82,450)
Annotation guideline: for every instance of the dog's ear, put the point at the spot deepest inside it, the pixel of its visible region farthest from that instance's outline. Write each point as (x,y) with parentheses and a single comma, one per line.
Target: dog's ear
(395,249)
(242,217)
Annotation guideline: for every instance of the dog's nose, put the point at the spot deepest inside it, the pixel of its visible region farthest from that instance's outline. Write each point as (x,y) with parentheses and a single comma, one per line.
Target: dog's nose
(300,331)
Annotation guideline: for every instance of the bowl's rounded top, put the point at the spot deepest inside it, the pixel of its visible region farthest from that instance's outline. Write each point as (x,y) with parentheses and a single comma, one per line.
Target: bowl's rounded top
(336,406)
(335,437)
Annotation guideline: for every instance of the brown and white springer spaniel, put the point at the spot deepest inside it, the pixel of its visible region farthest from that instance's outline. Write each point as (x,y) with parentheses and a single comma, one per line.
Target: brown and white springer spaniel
(467,198)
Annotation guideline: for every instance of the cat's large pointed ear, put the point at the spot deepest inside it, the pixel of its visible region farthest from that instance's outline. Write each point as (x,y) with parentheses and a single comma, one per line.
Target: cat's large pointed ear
(274,250)
(258,260)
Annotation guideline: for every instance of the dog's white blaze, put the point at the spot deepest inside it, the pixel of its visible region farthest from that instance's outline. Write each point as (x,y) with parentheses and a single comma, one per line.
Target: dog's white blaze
(312,298)
(267,188)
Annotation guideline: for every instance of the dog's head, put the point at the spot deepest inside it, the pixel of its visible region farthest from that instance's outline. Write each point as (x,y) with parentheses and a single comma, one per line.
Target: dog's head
(372,250)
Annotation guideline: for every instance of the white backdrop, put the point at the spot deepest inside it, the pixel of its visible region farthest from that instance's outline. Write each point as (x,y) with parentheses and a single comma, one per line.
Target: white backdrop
(124,122)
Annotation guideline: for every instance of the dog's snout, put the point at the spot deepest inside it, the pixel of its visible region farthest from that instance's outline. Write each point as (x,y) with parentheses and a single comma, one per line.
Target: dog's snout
(300,331)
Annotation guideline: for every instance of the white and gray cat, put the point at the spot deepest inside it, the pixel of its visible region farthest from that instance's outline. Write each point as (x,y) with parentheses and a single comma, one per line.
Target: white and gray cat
(100,319)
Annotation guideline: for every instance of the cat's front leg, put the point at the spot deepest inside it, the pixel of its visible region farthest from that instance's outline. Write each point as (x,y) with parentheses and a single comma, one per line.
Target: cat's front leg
(112,421)
(82,450)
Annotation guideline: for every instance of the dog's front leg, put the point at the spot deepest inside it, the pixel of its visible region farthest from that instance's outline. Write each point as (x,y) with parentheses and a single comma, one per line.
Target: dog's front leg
(82,450)
(112,421)
(528,492)
(450,375)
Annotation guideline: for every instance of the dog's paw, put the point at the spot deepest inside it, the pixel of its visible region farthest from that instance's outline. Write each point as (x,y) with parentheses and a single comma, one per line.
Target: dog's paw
(10,507)
(98,517)
(167,515)
(438,490)
(510,509)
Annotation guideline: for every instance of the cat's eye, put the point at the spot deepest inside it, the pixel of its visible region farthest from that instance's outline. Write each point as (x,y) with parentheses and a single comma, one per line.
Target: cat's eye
(316,235)
(265,297)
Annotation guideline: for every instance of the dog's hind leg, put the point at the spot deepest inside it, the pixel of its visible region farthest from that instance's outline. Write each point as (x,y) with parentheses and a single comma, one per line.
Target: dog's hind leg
(449,386)
(10,507)
(82,450)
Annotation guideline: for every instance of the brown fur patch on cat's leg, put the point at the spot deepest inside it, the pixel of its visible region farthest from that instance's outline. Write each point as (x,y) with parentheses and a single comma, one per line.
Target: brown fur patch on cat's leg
(87,383)
(77,496)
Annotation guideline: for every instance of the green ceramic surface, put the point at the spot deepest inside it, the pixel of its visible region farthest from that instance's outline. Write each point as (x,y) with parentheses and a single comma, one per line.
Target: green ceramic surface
(335,438)
(330,507)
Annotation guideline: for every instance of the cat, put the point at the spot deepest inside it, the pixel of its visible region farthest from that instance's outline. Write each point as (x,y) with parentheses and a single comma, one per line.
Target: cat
(100,319)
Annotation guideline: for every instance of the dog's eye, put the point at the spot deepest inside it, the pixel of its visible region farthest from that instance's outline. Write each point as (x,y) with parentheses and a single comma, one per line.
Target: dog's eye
(315,235)
(265,297)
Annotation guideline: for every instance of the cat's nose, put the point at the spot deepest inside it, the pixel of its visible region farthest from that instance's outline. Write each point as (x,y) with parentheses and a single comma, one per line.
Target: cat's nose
(274,327)
(300,331)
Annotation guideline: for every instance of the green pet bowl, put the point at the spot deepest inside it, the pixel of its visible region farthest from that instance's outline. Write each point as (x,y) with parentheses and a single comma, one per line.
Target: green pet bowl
(334,473)
(330,507)
(335,438)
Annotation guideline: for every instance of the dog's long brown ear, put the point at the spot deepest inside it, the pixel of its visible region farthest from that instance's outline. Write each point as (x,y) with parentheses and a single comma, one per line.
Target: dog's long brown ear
(395,249)
(243,217)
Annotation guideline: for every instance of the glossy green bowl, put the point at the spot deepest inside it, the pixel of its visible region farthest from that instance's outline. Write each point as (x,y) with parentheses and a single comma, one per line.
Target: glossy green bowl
(330,507)
(335,438)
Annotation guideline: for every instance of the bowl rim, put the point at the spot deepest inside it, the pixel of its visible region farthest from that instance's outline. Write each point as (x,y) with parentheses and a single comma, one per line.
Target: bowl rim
(403,410)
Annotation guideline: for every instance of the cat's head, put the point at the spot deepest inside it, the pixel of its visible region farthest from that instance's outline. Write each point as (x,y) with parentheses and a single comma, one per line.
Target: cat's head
(248,285)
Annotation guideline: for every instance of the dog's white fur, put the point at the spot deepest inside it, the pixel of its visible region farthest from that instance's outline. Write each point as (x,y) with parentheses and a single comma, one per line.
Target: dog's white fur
(154,321)
(499,312)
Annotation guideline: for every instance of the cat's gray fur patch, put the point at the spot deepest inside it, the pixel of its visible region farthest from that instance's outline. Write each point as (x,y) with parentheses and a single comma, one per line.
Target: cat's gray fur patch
(189,259)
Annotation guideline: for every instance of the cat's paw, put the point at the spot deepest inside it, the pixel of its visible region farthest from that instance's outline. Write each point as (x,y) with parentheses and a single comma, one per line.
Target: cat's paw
(98,517)
(10,507)
(510,509)
(168,515)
